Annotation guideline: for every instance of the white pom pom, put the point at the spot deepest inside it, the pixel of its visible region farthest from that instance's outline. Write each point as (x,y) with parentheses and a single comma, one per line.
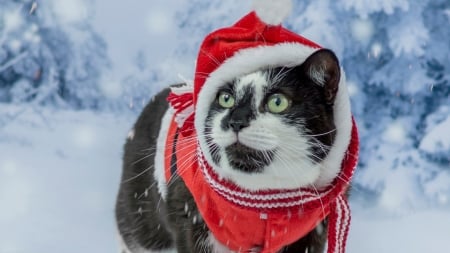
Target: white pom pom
(272,12)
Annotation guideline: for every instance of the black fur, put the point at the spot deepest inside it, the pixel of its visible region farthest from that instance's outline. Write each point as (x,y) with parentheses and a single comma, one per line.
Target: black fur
(141,217)
(146,221)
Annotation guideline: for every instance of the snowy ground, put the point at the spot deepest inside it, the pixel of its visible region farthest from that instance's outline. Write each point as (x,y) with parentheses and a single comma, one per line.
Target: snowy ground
(59,173)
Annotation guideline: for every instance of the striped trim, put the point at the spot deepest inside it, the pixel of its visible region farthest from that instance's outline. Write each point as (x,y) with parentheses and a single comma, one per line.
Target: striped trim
(269,199)
(339,226)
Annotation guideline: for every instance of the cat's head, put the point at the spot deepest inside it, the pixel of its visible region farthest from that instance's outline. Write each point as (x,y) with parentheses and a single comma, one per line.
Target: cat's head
(277,127)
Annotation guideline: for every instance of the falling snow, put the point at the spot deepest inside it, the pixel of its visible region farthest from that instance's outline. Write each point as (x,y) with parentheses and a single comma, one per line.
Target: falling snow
(60,164)
(362,30)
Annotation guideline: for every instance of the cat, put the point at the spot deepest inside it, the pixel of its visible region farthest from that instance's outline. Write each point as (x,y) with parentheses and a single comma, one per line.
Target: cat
(269,129)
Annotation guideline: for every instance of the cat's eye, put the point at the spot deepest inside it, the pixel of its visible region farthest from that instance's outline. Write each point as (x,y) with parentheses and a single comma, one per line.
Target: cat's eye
(277,103)
(225,99)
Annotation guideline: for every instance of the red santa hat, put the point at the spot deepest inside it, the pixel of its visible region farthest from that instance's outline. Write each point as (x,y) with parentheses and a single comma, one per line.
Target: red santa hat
(257,41)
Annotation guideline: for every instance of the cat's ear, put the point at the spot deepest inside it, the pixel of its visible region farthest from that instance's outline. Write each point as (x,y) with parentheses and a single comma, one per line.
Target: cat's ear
(322,67)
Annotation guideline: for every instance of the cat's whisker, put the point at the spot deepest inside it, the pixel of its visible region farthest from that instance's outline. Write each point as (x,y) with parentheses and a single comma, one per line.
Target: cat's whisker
(343,179)
(292,167)
(280,75)
(288,169)
(188,160)
(184,147)
(138,175)
(202,73)
(143,158)
(305,161)
(212,57)
(317,194)
(202,76)
(321,134)
(293,149)
(325,149)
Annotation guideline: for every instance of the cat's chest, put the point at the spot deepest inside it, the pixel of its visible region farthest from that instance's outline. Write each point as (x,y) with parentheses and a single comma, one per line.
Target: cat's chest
(240,220)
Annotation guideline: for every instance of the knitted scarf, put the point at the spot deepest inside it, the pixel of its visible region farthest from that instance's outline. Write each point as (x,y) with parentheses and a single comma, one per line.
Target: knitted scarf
(269,219)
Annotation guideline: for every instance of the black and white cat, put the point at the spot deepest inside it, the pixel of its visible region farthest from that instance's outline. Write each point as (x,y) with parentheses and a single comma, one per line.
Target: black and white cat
(270,129)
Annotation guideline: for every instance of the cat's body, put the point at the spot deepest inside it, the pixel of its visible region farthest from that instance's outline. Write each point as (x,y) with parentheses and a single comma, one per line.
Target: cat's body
(269,129)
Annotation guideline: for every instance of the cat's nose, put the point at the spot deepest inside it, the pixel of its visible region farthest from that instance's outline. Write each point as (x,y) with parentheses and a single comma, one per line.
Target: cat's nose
(238,125)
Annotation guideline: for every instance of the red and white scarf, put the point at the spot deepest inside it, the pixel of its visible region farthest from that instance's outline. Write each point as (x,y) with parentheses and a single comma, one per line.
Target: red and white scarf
(270,210)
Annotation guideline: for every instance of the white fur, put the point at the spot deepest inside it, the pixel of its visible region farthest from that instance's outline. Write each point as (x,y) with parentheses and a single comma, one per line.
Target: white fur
(222,139)
(250,60)
(318,75)
(272,12)
(159,173)
(124,248)
(130,135)
(266,132)
(259,137)
(122,245)
(216,246)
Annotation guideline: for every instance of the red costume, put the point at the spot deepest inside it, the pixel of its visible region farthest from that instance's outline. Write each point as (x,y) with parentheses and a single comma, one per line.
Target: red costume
(265,220)
(248,221)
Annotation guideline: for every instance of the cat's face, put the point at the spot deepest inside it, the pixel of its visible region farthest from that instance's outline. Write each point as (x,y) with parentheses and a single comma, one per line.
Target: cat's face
(272,128)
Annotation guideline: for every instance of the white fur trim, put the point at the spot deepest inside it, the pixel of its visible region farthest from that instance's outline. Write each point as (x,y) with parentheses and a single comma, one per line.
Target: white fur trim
(159,173)
(272,12)
(250,60)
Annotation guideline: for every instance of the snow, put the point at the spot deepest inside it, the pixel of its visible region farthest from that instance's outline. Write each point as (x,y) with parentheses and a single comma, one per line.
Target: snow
(12,20)
(417,232)
(60,169)
(111,88)
(366,7)
(352,88)
(409,36)
(134,27)
(376,49)
(59,175)
(159,23)
(15,45)
(439,188)
(362,30)
(435,141)
(447,12)
(71,11)
(395,132)
(400,193)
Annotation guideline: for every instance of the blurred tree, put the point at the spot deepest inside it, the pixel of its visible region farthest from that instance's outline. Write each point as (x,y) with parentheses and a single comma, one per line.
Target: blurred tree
(49,57)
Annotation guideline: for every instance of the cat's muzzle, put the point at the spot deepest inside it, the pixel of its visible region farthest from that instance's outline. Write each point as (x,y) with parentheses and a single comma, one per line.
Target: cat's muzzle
(248,160)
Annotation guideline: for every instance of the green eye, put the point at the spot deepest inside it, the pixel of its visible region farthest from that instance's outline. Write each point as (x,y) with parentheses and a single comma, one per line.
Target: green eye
(226,100)
(277,103)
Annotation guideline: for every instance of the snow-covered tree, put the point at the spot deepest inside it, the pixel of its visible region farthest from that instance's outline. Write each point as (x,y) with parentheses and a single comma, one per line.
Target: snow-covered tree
(49,54)
(403,100)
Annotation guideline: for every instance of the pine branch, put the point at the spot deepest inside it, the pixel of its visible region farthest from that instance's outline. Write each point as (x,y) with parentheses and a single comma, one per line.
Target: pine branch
(48,90)
(13,61)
